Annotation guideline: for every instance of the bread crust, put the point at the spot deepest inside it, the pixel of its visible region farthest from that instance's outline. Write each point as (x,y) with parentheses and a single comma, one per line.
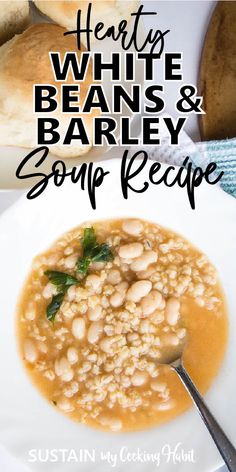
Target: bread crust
(24,61)
(14,18)
(110,12)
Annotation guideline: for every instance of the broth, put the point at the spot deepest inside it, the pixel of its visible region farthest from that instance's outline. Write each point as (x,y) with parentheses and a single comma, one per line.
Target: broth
(97,362)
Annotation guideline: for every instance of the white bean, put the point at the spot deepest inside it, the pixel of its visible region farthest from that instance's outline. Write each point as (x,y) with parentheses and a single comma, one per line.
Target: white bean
(138,290)
(169,339)
(94,282)
(130,251)
(42,347)
(71,293)
(157,317)
(162,305)
(114,277)
(132,227)
(68,251)
(49,290)
(97,265)
(151,302)
(30,351)
(181,333)
(67,376)
(61,366)
(122,287)
(70,261)
(95,313)
(106,344)
(30,313)
(117,299)
(104,302)
(94,332)
(172,311)
(142,262)
(72,355)
(78,328)
(65,405)
(67,310)
(139,378)
(132,337)
(144,326)
(71,390)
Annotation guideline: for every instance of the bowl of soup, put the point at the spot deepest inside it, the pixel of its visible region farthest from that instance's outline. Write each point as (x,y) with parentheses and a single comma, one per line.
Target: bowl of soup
(103,309)
(93,303)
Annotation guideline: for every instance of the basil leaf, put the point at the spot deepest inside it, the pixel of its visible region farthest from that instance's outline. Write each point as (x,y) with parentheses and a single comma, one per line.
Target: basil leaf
(83,265)
(61,279)
(92,251)
(89,241)
(54,306)
(102,253)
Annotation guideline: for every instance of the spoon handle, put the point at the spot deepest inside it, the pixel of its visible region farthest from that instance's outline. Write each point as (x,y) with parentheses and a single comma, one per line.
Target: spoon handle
(226,449)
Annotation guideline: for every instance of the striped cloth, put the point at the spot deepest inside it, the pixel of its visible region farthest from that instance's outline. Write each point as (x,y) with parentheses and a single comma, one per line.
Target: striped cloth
(223,153)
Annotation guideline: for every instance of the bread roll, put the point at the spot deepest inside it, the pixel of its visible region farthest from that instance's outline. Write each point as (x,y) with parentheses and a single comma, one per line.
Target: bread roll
(14,18)
(24,61)
(110,12)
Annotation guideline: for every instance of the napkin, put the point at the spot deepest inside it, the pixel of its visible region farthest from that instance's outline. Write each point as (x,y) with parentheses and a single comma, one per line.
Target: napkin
(222,152)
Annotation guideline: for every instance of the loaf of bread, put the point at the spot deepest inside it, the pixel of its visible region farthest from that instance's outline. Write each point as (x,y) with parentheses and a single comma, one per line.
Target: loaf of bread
(24,61)
(14,18)
(64,12)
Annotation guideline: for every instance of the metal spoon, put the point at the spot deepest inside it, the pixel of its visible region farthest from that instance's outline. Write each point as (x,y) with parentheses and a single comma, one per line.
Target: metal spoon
(226,449)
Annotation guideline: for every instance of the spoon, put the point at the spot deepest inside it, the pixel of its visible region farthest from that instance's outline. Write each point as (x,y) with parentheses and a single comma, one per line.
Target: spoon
(225,447)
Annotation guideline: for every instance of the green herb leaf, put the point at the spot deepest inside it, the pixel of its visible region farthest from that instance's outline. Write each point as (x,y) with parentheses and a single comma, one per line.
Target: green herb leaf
(89,241)
(61,279)
(92,251)
(102,253)
(83,265)
(54,306)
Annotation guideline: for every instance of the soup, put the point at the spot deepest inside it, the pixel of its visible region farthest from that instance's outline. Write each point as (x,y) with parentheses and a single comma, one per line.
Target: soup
(103,309)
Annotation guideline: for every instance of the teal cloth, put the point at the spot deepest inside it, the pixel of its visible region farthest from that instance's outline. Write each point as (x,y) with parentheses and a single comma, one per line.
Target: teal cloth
(223,153)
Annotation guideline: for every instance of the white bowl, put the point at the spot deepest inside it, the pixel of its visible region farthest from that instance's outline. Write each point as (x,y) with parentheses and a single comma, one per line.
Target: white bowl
(27,421)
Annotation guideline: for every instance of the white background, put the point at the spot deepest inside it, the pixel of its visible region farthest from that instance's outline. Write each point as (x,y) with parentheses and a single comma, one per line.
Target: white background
(188,22)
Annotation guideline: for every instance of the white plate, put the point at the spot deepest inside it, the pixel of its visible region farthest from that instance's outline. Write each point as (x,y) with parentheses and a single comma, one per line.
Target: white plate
(12,156)
(27,421)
